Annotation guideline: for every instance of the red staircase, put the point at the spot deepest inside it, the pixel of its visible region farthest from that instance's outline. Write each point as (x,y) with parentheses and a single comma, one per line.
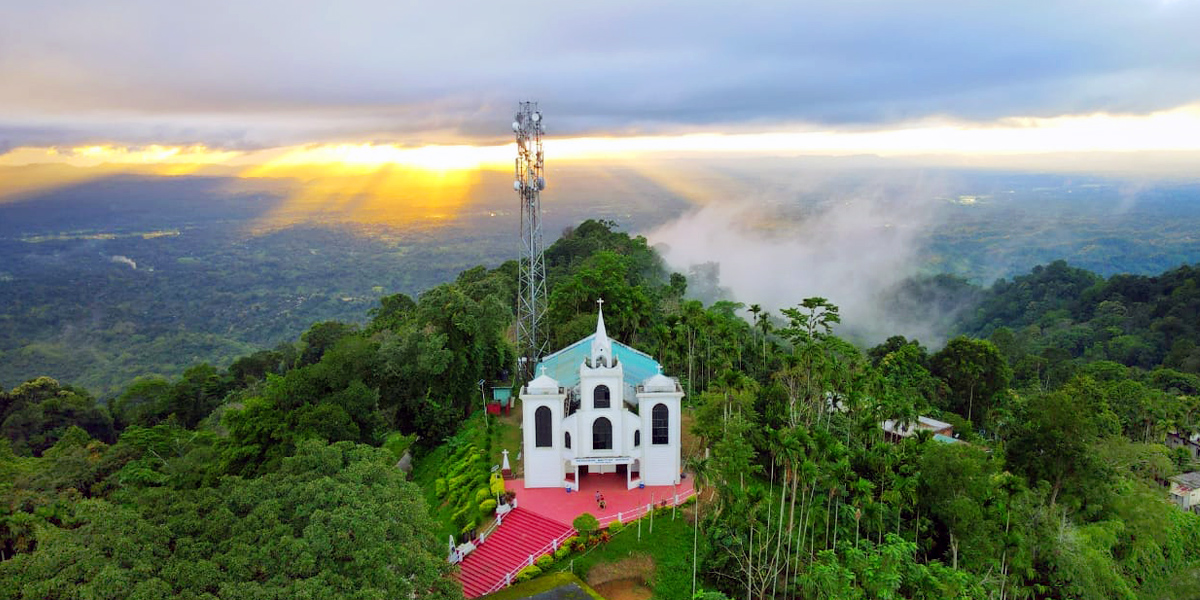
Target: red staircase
(508,549)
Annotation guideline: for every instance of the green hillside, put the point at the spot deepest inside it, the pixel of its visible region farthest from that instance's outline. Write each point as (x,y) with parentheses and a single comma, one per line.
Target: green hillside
(275,477)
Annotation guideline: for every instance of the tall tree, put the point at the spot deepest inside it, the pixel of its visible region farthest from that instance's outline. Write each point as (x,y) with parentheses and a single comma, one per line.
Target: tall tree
(975,372)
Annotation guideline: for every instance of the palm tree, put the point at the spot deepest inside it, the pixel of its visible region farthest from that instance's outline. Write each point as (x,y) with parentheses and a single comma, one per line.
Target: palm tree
(763,322)
(699,468)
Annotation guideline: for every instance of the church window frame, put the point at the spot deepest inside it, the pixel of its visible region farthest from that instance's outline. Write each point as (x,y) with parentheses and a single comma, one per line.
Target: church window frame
(637,438)
(601,397)
(567,438)
(602,434)
(543,429)
(660,425)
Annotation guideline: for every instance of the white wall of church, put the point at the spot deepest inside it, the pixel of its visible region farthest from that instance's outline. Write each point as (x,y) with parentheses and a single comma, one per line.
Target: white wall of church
(589,380)
(657,464)
(543,466)
(660,462)
(632,424)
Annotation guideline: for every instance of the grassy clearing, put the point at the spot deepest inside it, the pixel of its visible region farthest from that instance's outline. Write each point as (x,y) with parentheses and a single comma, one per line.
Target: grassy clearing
(506,435)
(669,547)
(545,584)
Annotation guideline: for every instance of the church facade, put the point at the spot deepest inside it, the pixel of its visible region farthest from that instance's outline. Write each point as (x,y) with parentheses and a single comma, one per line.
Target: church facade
(599,406)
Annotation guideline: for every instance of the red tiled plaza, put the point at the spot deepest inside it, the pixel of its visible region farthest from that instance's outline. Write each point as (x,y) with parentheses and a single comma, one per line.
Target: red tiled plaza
(563,506)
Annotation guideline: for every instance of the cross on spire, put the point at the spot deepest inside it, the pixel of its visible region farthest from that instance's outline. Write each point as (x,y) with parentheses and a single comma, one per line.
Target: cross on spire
(600,302)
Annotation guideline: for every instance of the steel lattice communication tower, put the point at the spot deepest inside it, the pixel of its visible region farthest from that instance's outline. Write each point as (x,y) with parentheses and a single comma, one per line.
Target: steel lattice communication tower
(531,287)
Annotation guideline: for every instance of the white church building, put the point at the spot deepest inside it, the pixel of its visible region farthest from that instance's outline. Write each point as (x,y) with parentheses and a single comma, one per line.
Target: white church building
(599,406)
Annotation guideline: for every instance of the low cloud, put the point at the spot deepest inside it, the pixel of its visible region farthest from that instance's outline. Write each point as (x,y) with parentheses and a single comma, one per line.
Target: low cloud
(124,260)
(854,247)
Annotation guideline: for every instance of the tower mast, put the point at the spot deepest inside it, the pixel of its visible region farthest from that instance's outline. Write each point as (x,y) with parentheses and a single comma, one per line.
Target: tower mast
(531,286)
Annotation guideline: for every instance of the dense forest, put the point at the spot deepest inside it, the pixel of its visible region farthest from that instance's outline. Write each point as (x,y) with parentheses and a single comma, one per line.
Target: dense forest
(273,477)
(126,276)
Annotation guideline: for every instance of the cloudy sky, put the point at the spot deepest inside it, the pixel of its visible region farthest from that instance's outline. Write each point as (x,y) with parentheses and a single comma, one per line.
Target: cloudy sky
(238,75)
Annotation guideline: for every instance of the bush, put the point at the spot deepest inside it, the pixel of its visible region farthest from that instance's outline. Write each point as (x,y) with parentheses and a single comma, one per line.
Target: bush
(453,484)
(615,527)
(482,494)
(585,524)
(496,484)
(544,561)
(562,551)
(464,516)
(439,487)
(480,480)
(570,541)
(462,462)
(487,508)
(470,526)
(528,573)
(398,443)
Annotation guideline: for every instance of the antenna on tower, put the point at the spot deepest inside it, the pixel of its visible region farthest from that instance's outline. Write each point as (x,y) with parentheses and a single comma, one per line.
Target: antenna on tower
(531,286)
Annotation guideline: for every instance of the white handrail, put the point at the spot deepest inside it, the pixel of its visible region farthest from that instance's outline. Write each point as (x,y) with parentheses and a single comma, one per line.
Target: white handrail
(548,548)
(636,513)
(456,557)
(628,515)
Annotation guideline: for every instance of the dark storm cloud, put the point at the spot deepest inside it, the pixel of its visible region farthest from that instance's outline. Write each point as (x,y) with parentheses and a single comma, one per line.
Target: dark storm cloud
(248,74)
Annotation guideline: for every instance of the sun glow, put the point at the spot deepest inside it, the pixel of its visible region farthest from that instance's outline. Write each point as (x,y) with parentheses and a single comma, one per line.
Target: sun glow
(375,183)
(429,158)
(438,177)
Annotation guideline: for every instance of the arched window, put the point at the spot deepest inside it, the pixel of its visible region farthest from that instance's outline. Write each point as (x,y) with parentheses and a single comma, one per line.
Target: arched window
(601,434)
(600,397)
(567,438)
(542,430)
(637,438)
(660,425)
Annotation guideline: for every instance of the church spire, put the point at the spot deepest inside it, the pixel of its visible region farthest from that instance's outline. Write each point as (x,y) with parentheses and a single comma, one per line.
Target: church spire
(601,346)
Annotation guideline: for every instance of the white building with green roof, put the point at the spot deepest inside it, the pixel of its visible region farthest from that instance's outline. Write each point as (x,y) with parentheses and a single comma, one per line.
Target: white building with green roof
(601,407)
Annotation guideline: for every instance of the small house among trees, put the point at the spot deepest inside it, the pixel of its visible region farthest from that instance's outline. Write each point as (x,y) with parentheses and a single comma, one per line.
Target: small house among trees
(1185,491)
(895,431)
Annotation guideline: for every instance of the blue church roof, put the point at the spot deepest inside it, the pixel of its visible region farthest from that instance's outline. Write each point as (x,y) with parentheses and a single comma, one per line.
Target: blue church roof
(564,364)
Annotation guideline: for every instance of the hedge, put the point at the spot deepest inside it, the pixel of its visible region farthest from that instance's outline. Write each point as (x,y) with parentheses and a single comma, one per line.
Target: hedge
(482,494)
(487,507)
(528,573)
(470,525)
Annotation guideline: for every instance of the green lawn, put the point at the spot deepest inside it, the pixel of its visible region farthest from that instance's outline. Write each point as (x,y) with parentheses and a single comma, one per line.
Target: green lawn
(670,545)
(549,583)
